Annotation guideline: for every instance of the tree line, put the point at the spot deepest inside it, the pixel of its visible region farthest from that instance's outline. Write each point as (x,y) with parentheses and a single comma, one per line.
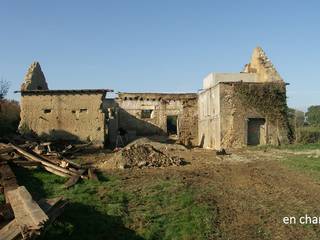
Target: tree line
(9,111)
(305,125)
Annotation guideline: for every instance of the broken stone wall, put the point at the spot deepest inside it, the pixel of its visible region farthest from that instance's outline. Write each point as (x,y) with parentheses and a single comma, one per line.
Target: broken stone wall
(64,116)
(234,119)
(188,123)
(262,66)
(209,118)
(34,79)
(131,117)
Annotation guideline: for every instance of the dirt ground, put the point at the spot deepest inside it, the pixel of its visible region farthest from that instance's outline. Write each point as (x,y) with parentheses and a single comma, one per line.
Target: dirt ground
(252,189)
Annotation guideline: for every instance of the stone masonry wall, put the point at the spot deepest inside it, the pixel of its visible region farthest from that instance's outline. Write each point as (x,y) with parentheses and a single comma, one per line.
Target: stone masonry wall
(66,116)
(234,121)
(188,124)
(184,106)
(209,118)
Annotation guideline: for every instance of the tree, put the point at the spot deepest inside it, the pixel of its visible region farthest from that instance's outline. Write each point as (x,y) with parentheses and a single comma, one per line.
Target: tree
(296,117)
(299,118)
(4,88)
(313,115)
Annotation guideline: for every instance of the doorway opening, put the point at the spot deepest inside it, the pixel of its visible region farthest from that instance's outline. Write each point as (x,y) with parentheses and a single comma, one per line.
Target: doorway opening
(172,125)
(255,131)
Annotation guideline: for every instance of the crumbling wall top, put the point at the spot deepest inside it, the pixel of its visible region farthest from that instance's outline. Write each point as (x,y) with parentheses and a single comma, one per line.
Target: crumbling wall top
(156,96)
(34,79)
(262,66)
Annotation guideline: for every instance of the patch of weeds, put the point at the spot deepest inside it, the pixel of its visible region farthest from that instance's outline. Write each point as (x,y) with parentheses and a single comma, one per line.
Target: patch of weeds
(109,209)
(305,164)
(169,210)
(301,147)
(293,147)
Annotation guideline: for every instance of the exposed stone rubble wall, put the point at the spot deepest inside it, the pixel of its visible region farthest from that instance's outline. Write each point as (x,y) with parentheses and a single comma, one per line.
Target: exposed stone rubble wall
(34,79)
(262,66)
(234,121)
(68,116)
(223,119)
(184,106)
(188,123)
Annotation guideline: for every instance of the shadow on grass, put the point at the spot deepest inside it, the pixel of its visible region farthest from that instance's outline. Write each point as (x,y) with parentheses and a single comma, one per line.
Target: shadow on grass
(80,220)
(26,178)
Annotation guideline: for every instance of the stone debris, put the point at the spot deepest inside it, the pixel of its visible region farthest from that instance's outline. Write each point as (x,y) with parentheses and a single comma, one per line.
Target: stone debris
(147,154)
(34,79)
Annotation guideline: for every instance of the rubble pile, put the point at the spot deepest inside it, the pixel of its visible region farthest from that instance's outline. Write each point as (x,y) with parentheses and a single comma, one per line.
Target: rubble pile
(147,154)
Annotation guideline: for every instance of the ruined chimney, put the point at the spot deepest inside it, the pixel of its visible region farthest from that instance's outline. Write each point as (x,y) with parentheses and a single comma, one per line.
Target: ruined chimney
(34,79)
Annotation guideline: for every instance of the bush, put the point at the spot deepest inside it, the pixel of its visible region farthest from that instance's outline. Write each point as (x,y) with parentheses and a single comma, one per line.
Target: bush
(9,117)
(306,135)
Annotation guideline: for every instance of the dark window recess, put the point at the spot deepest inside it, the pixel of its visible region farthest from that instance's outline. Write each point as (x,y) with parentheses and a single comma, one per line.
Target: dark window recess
(172,125)
(146,113)
(255,130)
(73,111)
(47,110)
(83,110)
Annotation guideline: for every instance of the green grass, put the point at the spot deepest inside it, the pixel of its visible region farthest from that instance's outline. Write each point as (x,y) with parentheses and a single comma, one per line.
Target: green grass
(305,164)
(293,147)
(109,209)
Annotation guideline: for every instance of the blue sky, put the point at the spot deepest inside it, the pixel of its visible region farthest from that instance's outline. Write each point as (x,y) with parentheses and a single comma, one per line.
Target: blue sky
(164,46)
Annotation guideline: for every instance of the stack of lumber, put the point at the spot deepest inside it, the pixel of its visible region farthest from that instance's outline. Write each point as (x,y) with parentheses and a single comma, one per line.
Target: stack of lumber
(61,167)
(22,217)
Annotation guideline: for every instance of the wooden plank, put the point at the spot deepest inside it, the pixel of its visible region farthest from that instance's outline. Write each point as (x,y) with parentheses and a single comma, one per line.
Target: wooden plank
(43,162)
(47,204)
(92,174)
(8,179)
(26,211)
(72,181)
(56,210)
(10,231)
(24,163)
(72,163)
(61,174)
(6,150)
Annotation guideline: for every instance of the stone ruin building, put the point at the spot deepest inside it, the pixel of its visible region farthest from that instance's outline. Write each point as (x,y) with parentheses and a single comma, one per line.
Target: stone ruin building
(231,110)
(146,114)
(246,108)
(75,115)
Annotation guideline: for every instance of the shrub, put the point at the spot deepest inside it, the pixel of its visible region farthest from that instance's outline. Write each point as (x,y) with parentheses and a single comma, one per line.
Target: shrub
(9,117)
(306,135)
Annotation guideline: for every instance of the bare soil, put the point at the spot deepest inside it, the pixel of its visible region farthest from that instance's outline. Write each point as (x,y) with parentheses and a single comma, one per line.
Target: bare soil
(253,190)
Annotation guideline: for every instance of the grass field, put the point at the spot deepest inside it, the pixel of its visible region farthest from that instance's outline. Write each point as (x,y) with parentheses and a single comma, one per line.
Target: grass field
(106,209)
(242,196)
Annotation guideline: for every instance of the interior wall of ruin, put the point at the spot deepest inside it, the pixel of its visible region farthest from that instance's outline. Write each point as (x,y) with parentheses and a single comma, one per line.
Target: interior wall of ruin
(67,116)
(209,118)
(188,123)
(130,117)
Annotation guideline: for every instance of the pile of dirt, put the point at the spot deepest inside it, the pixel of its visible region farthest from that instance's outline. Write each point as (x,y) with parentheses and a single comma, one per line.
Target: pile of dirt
(144,153)
(147,156)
